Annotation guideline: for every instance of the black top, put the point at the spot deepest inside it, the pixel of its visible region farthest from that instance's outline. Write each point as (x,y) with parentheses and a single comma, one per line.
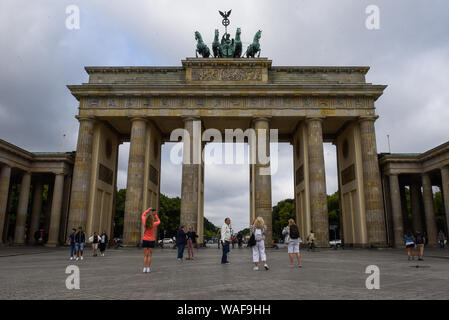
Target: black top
(80,237)
(181,237)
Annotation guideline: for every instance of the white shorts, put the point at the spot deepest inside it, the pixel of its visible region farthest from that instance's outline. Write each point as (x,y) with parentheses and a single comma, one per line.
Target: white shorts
(293,246)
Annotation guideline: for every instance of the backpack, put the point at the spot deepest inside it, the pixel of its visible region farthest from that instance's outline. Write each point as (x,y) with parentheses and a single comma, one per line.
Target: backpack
(258,234)
(294,232)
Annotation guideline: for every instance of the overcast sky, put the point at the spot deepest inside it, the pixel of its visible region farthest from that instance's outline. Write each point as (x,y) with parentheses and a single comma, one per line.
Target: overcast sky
(40,56)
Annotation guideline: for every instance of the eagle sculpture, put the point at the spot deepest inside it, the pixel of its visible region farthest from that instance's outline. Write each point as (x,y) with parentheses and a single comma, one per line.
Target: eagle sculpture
(225,15)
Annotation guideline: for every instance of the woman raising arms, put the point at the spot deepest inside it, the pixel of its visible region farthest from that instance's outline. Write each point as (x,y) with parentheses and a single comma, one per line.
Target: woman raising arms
(150,220)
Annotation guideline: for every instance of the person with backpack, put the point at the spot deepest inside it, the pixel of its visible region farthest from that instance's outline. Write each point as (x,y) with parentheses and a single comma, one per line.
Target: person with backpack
(258,229)
(80,240)
(103,242)
(293,239)
(95,240)
(420,241)
(410,245)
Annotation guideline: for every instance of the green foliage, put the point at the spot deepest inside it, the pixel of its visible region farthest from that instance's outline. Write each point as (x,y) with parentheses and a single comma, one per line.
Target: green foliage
(439,210)
(333,207)
(169,213)
(119,212)
(283,211)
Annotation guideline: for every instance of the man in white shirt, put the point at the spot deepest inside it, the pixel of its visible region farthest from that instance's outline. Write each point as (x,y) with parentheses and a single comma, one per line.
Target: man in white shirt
(226,235)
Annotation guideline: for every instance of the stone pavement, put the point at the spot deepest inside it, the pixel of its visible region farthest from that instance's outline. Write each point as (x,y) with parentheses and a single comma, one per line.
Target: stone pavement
(39,273)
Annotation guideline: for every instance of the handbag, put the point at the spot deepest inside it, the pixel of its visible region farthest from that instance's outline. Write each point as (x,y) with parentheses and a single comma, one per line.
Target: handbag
(252,241)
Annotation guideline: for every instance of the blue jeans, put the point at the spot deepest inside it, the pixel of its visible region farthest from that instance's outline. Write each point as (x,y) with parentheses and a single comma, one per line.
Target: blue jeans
(72,250)
(224,258)
(181,250)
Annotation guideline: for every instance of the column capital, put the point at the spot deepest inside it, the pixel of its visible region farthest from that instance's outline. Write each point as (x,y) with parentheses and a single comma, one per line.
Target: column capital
(314,118)
(367,118)
(190,118)
(85,118)
(132,119)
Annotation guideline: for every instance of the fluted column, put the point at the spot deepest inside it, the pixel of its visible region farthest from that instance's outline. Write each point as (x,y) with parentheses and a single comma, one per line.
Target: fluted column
(37,207)
(398,223)
(134,187)
(372,186)
(56,206)
(317,182)
(429,210)
(262,176)
(192,178)
(445,192)
(5,177)
(415,199)
(82,170)
(22,208)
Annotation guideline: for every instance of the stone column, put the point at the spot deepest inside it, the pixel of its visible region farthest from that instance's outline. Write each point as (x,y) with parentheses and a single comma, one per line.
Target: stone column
(262,176)
(429,210)
(37,208)
(134,187)
(317,182)
(375,218)
(191,174)
(79,200)
(415,199)
(5,177)
(56,206)
(398,223)
(22,208)
(445,192)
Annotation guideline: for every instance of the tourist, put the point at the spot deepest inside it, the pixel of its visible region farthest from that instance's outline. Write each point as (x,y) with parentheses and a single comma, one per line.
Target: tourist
(191,241)
(103,242)
(258,228)
(150,220)
(240,239)
(293,240)
(95,239)
(80,240)
(311,241)
(71,241)
(420,241)
(181,240)
(225,239)
(410,245)
(441,239)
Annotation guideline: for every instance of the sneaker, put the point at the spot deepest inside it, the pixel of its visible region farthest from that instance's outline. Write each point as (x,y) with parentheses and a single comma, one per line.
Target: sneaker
(82,258)
(148,270)
(179,259)
(266,267)
(144,270)
(77,258)
(255,268)
(409,258)
(299,265)
(71,258)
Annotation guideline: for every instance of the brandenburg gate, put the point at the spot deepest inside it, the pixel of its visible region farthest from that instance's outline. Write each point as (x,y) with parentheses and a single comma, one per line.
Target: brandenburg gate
(307,105)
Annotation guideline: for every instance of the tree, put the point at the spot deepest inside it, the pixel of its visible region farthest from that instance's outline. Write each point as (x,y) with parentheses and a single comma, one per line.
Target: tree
(282,212)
